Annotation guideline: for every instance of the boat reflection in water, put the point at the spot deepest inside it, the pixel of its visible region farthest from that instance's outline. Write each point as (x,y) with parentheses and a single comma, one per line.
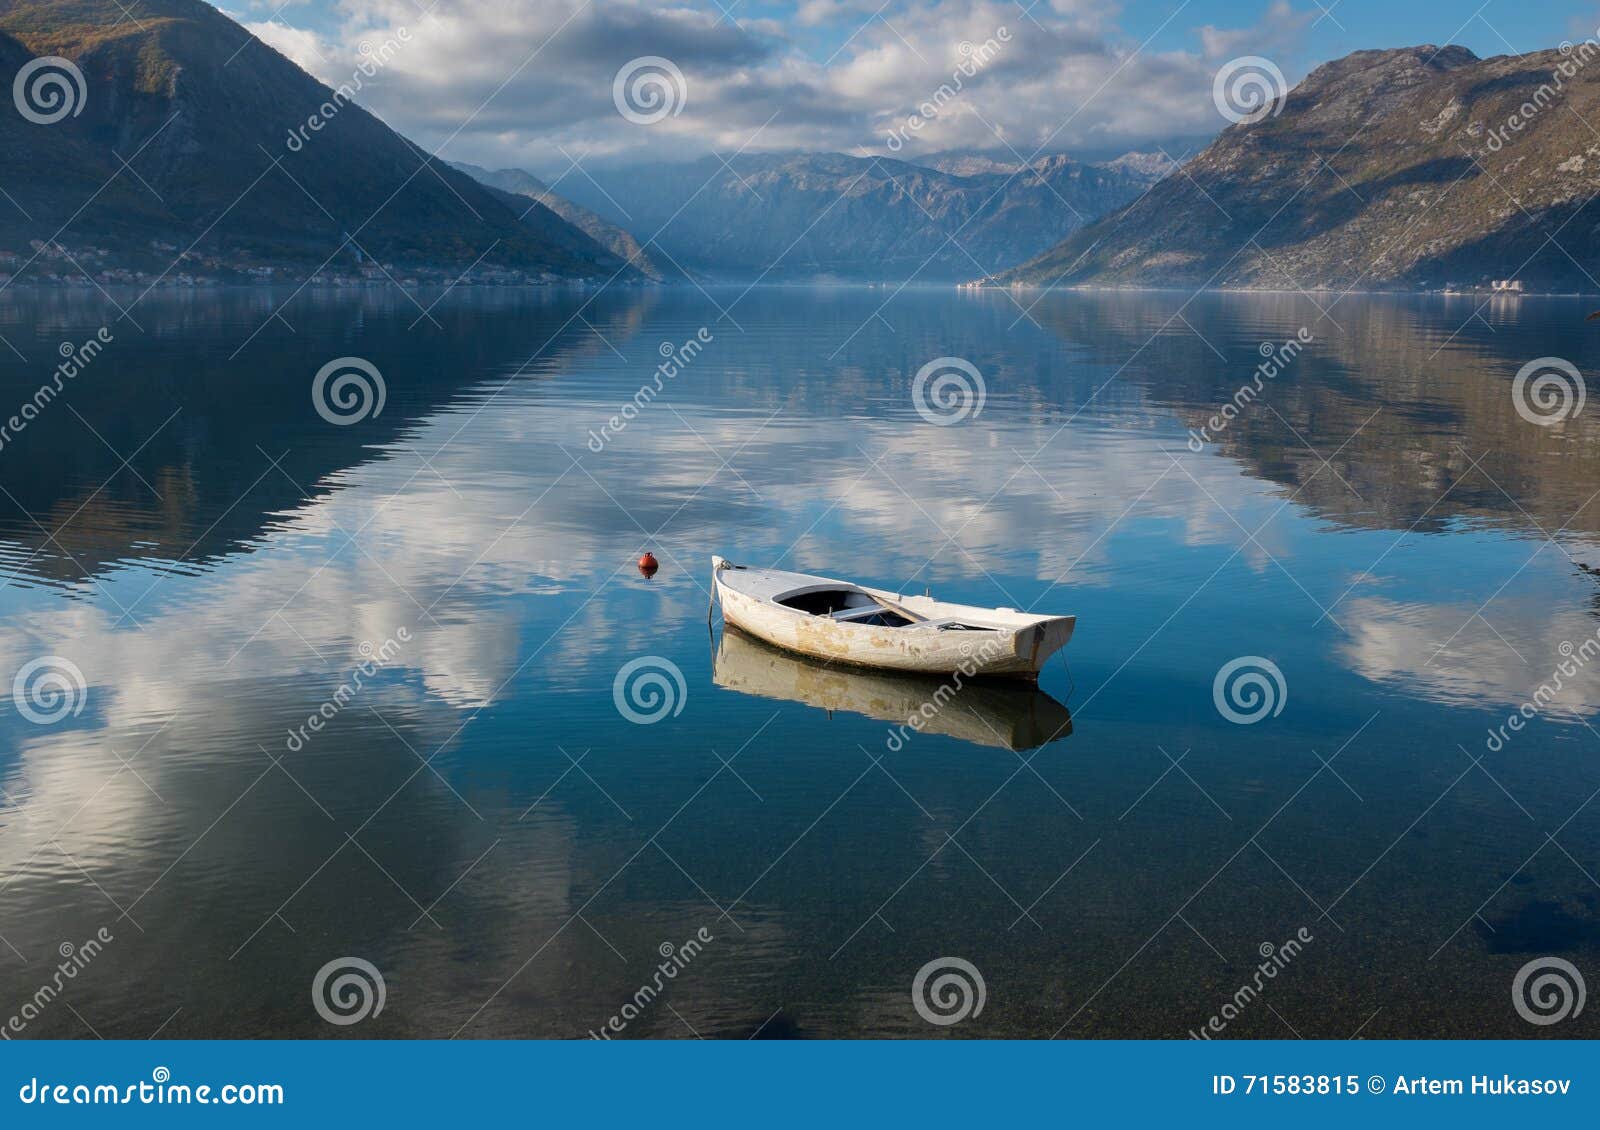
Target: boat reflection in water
(1001,713)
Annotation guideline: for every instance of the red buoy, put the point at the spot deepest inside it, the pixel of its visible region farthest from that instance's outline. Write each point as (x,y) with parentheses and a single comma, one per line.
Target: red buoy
(648,564)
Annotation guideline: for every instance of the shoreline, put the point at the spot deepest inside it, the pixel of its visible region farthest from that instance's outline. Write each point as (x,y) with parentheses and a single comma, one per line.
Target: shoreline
(1403,292)
(797,284)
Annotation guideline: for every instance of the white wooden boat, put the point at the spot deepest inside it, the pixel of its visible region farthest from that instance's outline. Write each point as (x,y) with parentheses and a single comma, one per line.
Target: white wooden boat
(1001,713)
(849,623)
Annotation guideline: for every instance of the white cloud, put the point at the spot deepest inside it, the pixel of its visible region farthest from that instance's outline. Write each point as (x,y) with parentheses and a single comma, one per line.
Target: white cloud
(1446,653)
(504,83)
(300,45)
(1279,32)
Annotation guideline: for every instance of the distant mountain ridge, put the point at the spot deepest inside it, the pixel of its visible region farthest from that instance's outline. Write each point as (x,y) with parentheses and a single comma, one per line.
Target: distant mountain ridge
(1384,169)
(619,241)
(202,111)
(819,214)
(1153,164)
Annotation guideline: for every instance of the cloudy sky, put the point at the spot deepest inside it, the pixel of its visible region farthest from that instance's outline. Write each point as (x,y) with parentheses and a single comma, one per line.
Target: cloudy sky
(530,82)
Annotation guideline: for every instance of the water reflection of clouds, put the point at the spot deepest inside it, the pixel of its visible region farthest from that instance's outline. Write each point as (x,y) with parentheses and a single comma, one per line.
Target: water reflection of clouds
(932,494)
(230,653)
(452,534)
(1446,653)
(429,553)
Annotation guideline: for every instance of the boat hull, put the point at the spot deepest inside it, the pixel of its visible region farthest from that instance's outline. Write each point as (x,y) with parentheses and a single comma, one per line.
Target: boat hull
(1003,651)
(1001,713)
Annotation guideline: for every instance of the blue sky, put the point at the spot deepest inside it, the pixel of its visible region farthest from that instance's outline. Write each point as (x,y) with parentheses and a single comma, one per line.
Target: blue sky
(530,82)
(1341,26)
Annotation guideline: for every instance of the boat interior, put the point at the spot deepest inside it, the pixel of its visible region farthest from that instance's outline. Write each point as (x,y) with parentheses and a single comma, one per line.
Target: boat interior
(852,606)
(846,605)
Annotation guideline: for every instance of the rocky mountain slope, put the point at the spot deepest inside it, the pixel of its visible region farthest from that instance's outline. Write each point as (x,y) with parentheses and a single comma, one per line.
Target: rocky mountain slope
(1410,168)
(619,241)
(811,214)
(1152,164)
(204,114)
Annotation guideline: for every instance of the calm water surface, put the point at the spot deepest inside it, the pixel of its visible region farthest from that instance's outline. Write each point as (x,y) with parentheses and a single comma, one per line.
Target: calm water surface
(481,822)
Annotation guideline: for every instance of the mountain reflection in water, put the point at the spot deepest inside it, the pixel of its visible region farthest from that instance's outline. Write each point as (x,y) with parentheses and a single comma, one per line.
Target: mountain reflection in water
(480,821)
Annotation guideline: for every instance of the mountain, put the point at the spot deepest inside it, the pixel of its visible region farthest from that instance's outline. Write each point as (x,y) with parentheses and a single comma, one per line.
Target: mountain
(969,164)
(811,214)
(619,241)
(1151,165)
(1418,167)
(87,514)
(214,126)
